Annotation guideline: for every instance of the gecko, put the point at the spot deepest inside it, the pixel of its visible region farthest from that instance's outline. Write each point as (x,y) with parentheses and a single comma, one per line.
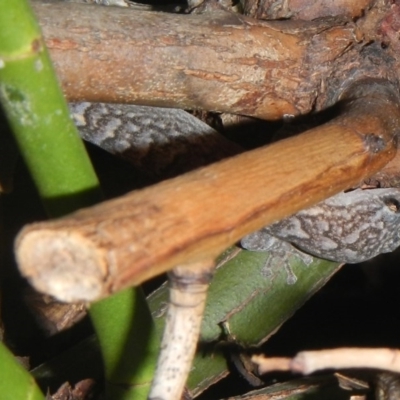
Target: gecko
(348,228)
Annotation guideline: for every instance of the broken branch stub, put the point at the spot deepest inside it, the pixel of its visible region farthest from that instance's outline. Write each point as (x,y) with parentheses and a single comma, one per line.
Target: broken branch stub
(97,251)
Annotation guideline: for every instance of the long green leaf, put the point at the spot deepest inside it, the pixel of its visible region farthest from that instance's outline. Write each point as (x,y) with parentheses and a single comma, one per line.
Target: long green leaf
(15,382)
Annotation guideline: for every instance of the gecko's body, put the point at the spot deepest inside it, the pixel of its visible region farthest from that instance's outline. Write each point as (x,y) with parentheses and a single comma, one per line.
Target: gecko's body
(349,227)
(161,142)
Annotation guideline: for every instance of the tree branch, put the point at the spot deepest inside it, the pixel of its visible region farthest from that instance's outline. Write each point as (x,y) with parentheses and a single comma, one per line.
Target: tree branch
(219,61)
(123,242)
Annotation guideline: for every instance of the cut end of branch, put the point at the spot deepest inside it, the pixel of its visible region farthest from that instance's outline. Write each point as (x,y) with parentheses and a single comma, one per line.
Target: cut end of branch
(268,364)
(62,264)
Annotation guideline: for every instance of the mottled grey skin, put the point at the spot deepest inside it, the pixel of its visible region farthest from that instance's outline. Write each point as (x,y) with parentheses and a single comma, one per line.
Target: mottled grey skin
(349,227)
(162,142)
(122,127)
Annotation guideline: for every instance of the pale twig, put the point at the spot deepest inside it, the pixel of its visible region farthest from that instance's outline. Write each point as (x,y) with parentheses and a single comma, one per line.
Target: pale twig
(188,292)
(307,362)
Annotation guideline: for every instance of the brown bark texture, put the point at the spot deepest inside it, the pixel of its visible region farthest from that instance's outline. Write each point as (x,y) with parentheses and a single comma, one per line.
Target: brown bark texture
(305,9)
(97,251)
(217,61)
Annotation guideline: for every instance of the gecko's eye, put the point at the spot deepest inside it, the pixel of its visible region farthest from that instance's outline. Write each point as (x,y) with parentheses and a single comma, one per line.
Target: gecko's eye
(393,204)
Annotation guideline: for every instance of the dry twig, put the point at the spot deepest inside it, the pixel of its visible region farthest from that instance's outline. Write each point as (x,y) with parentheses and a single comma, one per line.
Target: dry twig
(97,251)
(307,362)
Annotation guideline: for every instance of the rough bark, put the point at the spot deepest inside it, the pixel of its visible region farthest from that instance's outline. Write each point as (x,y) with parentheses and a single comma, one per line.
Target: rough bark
(220,61)
(97,251)
(304,9)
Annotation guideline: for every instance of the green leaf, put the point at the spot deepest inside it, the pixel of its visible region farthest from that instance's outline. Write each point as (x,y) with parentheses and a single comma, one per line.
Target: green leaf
(15,382)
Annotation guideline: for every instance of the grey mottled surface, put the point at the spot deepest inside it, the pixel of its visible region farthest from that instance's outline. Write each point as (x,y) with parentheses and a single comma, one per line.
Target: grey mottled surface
(349,227)
(160,141)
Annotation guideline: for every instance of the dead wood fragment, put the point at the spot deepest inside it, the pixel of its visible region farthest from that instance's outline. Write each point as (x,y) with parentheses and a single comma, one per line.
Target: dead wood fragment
(83,390)
(53,316)
(100,250)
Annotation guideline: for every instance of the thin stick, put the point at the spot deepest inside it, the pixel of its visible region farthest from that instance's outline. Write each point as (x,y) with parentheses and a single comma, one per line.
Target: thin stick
(193,217)
(307,362)
(188,294)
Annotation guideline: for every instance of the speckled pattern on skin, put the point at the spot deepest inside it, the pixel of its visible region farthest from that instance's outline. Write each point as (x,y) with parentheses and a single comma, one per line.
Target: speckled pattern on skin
(125,126)
(349,227)
(162,141)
